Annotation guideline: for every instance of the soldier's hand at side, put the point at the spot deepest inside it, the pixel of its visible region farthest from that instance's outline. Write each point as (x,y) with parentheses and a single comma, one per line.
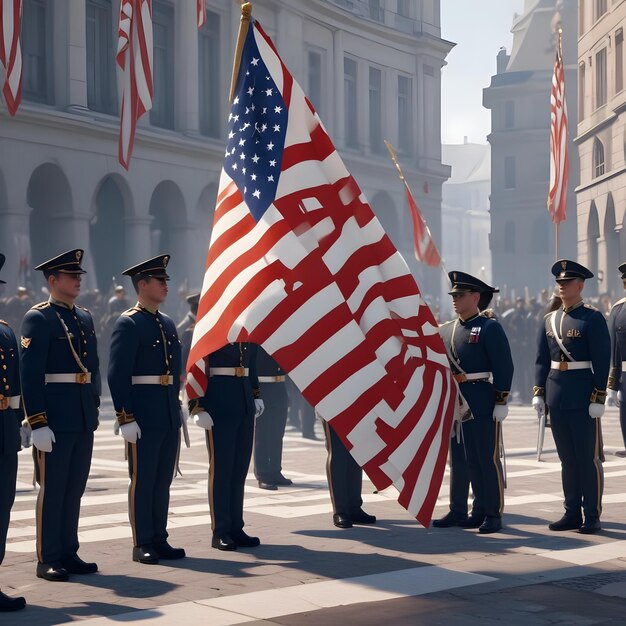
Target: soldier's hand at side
(26,433)
(596,410)
(259,407)
(204,420)
(131,432)
(500,411)
(539,405)
(116,428)
(43,438)
(615,397)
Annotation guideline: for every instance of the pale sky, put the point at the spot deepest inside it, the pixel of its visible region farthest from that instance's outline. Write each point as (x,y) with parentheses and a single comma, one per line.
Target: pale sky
(479,28)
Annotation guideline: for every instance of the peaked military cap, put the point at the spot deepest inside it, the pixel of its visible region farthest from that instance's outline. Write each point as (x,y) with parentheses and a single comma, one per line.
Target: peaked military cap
(193,299)
(2,259)
(462,283)
(152,268)
(621,268)
(568,270)
(67,263)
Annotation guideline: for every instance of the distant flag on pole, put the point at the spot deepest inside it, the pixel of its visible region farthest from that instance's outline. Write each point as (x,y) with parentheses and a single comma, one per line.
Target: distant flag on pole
(559,156)
(11,53)
(201,13)
(299,264)
(134,56)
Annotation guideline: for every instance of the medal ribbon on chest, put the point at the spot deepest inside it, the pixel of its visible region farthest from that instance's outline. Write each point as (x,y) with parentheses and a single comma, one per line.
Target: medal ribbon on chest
(474,334)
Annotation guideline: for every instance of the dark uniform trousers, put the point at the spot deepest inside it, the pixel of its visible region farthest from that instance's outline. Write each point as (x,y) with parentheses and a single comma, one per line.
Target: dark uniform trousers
(269,432)
(460,479)
(345,476)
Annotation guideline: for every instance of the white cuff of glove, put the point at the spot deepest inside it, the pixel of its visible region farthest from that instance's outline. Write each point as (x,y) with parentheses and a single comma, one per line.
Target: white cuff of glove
(614,397)
(500,411)
(596,410)
(259,407)
(131,432)
(539,405)
(43,438)
(26,433)
(204,420)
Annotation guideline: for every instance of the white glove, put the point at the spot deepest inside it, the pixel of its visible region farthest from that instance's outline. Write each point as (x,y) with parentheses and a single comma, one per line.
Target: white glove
(614,397)
(116,427)
(539,405)
(204,420)
(500,411)
(131,432)
(43,438)
(26,432)
(596,410)
(259,407)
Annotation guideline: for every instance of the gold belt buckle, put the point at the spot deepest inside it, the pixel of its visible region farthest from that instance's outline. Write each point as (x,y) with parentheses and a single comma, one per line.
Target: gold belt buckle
(4,403)
(164,380)
(280,379)
(81,378)
(563,366)
(240,372)
(460,378)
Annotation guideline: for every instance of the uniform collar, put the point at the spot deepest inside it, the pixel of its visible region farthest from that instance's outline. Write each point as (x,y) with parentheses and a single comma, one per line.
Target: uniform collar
(63,305)
(574,306)
(143,307)
(470,318)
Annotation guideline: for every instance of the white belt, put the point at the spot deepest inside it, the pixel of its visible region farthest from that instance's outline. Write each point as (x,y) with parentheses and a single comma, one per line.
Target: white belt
(164,380)
(9,402)
(271,379)
(466,378)
(570,365)
(240,372)
(80,378)
(623,365)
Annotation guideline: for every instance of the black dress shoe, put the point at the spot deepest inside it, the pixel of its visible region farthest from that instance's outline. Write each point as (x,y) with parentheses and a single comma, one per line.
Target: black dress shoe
(590,526)
(166,552)
(490,525)
(268,486)
(281,481)
(567,522)
(449,520)
(145,554)
(243,540)
(342,521)
(75,565)
(223,543)
(53,572)
(475,520)
(361,517)
(11,604)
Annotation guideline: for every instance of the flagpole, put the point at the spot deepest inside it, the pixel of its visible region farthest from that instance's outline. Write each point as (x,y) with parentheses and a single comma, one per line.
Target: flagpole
(394,158)
(560,52)
(246,16)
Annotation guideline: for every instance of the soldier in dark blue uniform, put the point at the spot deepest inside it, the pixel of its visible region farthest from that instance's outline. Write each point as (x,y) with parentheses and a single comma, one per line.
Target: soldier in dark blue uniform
(270,427)
(9,439)
(144,379)
(617,331)
(227,412)
(61,395)
(572,367)
(480,358)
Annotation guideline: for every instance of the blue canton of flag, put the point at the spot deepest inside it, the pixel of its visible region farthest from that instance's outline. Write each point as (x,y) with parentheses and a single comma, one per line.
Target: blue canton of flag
(257,126)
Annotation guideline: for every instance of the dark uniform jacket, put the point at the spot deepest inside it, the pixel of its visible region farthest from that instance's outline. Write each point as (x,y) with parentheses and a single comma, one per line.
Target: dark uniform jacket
(584,333)
(266,365)
(64,407)
(138,349)
(617,331)
(10,375)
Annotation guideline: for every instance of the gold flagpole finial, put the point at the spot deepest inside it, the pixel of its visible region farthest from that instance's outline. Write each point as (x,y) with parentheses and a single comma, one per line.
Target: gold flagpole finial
(246,16)
(394,158)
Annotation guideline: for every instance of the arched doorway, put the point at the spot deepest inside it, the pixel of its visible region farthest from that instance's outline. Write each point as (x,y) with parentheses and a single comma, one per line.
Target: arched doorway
(593,234)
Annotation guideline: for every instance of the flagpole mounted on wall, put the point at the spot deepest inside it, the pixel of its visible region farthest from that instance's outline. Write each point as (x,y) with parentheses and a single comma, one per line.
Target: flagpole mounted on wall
(246,16)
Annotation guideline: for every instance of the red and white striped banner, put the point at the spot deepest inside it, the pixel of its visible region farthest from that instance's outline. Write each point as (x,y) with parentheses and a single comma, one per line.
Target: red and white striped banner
(134,56)
(559,151)
(299,264)
(201,13)
(424,246)
(11,53)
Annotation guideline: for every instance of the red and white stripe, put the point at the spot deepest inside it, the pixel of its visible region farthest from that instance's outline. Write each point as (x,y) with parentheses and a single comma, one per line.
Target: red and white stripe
(319,284)
(11,53)
(134,56)
(424,246)
(201,13)
(559,151)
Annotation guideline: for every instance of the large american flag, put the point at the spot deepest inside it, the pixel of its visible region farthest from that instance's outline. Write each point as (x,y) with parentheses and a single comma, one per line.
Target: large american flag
(11,53)
(299,264)
(134,56)
(559,155)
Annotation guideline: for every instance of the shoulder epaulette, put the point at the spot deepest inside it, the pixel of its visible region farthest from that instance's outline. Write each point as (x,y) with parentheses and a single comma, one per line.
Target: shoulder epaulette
(3,322)
(82,308)
(132,310)
(41,305)
(620,302)
(489,314)
(590,306)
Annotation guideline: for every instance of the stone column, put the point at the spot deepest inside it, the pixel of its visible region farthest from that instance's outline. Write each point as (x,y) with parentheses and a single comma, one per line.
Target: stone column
(82,239)
(76,53)
(138,246)
(603,261)
(186,69)
(339,99)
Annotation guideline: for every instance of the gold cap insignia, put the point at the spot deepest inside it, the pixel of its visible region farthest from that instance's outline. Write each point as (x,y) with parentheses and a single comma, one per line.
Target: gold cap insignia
(454,276)
(78,255)
(165,261)
(564,265)
(25,341)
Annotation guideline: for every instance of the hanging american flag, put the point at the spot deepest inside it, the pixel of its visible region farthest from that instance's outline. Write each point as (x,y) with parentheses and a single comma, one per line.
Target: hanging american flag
(134,56)
(559,156)
(424,246)
(201,13)
(11,53)
(299,264)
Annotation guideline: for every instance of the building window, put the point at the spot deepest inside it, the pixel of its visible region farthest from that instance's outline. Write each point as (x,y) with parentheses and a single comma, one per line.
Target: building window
(162,112)
(351,118)
(601,78)
(101,87)
(581,92)
(405,117)
(509,114)
(599,9)
(509,172)
(404,8)
(598,158)
(376,131)
(209,68)
(36,40)
(315,80)
(619,60)
(376,11)
(509,237)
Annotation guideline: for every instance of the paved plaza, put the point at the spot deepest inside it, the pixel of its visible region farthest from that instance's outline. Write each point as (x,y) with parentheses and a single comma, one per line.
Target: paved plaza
(308,572)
